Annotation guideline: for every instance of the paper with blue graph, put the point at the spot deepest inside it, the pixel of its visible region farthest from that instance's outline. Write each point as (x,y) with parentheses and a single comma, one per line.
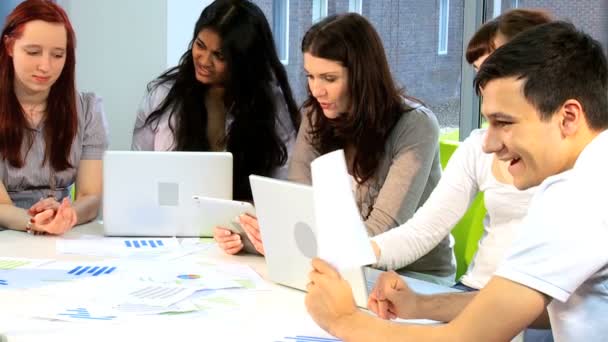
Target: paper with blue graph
(341,235)
(117,247)
(18,273)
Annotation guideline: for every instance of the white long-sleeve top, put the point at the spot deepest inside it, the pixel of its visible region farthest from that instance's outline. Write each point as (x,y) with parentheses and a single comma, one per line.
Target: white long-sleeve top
(468,172)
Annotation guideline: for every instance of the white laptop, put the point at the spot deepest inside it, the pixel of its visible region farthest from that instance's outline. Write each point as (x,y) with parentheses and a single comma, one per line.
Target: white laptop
(153,193)
(286,216)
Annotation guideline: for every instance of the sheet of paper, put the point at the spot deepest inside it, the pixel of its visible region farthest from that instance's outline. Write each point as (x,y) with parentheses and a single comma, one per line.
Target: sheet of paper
(298,328)
(341,236)
(118,247)
(184,274)
(41,273)
(10,263)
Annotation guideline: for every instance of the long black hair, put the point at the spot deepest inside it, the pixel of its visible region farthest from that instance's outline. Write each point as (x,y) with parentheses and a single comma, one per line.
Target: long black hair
(253,71)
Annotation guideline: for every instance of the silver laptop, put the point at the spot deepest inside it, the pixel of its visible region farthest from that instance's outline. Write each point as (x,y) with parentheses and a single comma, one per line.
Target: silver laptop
(285,213)
(152,193)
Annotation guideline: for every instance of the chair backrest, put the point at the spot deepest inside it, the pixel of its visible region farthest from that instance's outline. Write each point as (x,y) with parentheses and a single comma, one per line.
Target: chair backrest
(469,229)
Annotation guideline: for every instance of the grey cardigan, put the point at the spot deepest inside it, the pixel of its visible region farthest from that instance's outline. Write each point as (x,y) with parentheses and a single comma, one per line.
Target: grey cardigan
(406,176)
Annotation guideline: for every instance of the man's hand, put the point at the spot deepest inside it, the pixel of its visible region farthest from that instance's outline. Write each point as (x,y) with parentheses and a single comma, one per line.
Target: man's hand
(330,299)
(392,298)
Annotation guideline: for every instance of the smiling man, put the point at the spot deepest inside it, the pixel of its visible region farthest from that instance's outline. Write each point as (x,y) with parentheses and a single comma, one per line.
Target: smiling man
(545,98)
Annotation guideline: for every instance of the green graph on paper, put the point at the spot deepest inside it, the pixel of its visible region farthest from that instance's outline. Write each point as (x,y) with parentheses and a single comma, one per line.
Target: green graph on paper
(11,264)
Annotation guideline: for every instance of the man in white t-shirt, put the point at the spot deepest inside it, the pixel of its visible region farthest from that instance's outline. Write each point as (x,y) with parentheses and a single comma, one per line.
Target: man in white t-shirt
(544,96)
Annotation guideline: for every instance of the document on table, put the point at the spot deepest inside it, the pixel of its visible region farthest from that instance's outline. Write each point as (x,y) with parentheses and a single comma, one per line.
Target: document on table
(341,235)
(117,247)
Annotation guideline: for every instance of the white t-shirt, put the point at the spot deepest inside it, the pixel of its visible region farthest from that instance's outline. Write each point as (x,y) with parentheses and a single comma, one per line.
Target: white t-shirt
(468,172)
(562,249)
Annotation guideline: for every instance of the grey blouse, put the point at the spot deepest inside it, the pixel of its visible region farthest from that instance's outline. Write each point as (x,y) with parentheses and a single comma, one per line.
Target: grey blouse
(407,174)
(25,186)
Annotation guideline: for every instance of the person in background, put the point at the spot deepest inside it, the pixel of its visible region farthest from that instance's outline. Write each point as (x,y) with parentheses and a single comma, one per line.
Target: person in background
(544,96)
(51,136)
(390,140)
(229,92)
(469,171)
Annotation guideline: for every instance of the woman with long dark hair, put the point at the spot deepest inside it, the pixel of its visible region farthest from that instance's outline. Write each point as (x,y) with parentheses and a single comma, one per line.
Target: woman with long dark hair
(51,137)
(390,140)
(228,93)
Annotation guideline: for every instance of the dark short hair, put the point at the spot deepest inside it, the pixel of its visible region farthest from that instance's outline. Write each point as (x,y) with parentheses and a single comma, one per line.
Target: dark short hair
(557,62)
(509,24)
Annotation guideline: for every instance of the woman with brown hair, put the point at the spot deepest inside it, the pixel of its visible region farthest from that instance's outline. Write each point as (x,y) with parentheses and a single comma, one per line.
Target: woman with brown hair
(51,137)
(390,140)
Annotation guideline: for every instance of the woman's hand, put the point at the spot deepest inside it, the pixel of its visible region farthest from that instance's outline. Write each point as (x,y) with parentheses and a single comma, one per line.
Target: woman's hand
(228,241)
(52,217)
(252,229)
(42,205)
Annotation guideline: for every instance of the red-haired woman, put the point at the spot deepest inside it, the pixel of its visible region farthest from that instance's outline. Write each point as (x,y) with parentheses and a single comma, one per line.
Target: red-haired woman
(50,136)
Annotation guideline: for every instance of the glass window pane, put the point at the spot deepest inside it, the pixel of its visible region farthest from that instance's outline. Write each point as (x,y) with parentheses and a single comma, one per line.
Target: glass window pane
(590,16)
(319,10)
(280,28)
(444,18)
(411,46)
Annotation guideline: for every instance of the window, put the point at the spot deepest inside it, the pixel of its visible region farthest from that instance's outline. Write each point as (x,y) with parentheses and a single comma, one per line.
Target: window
(496,8)
(410,43)
(319,10)
(280,20)
(444,18)
(355,6)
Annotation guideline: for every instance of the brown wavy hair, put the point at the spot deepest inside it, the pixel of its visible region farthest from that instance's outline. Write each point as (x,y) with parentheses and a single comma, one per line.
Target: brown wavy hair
(509,24)
(62,120)
(376,103)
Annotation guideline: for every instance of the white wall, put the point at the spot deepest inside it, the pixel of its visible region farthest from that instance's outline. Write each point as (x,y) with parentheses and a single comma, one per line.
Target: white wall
(124,44)
(6,7)
(181,18)
(121,46)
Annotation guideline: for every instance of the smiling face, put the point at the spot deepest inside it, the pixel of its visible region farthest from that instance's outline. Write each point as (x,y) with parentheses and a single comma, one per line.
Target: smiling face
(209,63)
(328,84)
(534,149)
(38,56)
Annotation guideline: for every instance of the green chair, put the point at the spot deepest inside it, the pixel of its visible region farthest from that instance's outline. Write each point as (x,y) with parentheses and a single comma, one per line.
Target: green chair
(469,229)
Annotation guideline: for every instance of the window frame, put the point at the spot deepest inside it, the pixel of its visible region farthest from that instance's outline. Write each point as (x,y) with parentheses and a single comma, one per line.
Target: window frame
(319,10)
(444,27)
(470,115)
(355,6)
(280,29)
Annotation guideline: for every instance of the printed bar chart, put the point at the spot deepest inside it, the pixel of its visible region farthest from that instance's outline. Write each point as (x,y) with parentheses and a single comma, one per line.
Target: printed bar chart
(82,313)
(91,270)
(139,244)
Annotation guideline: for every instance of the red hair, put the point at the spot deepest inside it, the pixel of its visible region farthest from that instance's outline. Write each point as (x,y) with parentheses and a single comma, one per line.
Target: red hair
(62,119)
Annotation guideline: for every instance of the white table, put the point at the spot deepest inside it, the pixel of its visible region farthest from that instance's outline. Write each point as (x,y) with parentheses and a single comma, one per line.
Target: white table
(269,315)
